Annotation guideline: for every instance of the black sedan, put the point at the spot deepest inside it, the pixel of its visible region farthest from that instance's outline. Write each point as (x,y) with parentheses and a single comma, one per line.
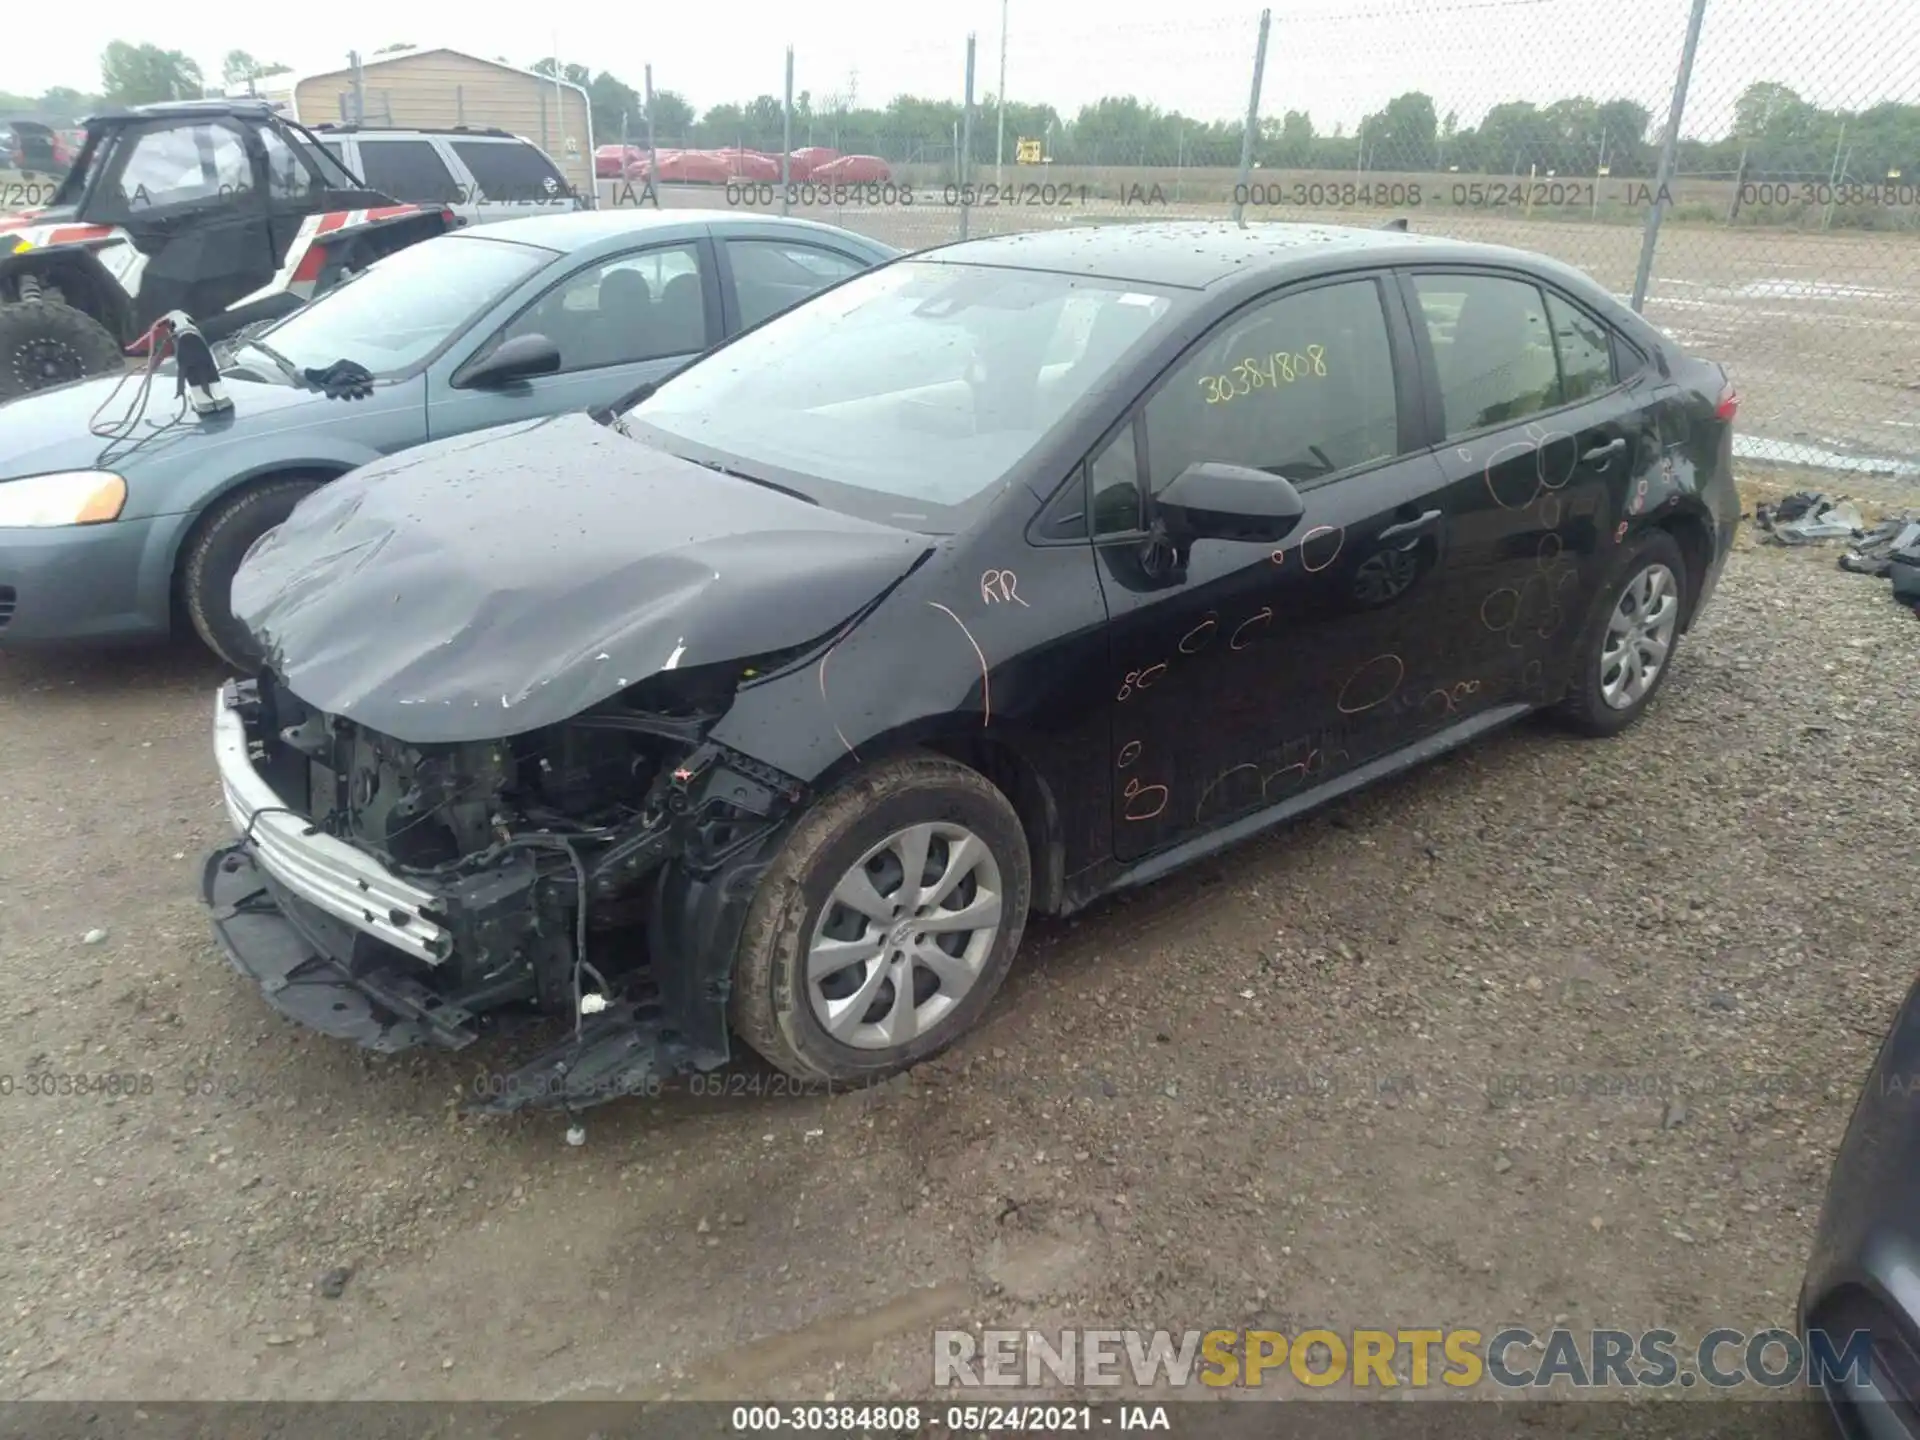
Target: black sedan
(1864,1277)
(990,581)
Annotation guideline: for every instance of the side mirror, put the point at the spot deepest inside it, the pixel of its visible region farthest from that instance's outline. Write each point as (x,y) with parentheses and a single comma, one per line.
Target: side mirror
(515,359)
(1211,501)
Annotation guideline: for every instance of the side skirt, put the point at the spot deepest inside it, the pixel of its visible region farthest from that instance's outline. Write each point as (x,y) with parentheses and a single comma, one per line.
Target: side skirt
(1180,856)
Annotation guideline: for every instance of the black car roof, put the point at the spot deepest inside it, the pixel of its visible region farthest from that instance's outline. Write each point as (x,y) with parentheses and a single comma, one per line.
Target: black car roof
(1194,254)
(248,106)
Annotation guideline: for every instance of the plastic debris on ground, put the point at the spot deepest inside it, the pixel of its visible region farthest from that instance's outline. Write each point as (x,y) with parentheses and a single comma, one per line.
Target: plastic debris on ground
(1807,518)
(1872,553)
(1889,548)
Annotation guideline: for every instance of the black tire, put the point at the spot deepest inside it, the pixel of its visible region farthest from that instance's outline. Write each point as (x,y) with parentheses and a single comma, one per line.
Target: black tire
(1585,709)
(770,1004)
(220,541)
(44,343)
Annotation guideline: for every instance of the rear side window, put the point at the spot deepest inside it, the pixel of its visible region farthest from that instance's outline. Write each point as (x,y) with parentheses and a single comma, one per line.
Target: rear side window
(772,275)
(509,172)
(1492,347)
(409,170)
(1586,359)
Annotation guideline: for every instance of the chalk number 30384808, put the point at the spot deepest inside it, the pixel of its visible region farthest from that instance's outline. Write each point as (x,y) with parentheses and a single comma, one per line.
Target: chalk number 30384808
(1267,373)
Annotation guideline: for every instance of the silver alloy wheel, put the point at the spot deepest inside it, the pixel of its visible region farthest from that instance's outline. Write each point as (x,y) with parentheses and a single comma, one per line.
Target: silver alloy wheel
(1639,637)
(904,936)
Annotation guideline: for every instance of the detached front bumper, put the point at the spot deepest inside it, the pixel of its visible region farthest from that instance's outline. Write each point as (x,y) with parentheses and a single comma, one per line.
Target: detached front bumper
(316,970)
(326,872)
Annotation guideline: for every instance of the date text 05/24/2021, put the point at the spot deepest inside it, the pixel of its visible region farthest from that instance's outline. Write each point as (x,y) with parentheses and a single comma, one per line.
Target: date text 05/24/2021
(908,1419)
(888,194)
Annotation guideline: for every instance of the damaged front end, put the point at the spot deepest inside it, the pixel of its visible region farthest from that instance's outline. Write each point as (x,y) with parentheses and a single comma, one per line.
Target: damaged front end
(397,894)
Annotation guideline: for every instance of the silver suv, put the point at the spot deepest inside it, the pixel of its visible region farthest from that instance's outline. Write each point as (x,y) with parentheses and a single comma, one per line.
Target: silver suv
(481,175)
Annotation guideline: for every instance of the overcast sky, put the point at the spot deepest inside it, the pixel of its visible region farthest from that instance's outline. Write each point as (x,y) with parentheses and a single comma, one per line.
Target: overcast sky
(1336,59)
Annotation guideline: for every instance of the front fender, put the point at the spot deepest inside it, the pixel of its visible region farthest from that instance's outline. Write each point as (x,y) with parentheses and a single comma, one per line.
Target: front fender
(948,662)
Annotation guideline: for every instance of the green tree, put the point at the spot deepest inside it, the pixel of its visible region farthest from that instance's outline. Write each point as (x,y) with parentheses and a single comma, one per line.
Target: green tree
(240,68)
(1401,136)
(146,74)
(1623,126)
(573,74)
(614,103)
(409,45)
(672,117)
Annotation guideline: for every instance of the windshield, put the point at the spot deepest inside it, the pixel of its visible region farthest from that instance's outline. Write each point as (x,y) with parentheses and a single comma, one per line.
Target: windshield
(919,381)
(403,307)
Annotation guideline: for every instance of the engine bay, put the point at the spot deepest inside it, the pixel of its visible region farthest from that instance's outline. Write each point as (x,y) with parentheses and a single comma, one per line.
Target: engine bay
(544,849)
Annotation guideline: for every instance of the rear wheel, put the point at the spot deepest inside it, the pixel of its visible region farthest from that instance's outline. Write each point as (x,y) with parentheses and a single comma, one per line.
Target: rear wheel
(45,343)
(1628,644)
(885,927)
(213,556)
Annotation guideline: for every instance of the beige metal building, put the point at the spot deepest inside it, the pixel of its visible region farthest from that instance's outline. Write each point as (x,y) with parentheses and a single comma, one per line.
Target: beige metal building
(430,88)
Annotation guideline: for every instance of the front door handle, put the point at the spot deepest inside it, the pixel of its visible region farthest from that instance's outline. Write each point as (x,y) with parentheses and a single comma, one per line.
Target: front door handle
(1601,454)
(1418,526)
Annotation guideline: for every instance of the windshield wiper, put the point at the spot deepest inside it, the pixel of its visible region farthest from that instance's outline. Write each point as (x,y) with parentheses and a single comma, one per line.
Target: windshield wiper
(614,415)
(756,480)
(285,366)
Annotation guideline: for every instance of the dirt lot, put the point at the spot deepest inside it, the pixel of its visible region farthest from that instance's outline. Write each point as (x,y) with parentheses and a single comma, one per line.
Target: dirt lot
(1549,1031)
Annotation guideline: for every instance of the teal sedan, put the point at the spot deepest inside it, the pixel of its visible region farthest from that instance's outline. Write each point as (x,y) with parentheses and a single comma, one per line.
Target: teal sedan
(124,510)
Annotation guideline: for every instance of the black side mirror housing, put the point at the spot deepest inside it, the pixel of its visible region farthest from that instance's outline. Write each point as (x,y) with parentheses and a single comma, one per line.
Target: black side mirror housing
(1212,501)
(515,359)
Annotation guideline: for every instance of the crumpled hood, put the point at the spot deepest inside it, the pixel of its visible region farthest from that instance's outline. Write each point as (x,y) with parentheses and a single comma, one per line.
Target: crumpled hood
(487,585)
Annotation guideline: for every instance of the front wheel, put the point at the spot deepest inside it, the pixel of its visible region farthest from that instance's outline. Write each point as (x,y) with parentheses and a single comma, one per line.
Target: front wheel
(213,557)
(1627,646)
(886,925)
(45,343)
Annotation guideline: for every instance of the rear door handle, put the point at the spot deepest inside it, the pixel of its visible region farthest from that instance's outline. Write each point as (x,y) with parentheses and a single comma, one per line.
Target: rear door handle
(1408,528)
(1600,454)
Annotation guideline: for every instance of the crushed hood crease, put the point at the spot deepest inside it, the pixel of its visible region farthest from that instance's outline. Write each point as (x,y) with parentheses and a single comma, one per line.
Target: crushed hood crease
(479,588)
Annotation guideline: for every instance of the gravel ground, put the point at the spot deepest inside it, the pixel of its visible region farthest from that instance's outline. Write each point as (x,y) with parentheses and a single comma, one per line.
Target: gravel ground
(1549,1031)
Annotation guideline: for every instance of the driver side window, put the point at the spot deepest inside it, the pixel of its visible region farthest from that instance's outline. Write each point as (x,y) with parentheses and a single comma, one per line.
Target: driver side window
(1301,387)
(643,305)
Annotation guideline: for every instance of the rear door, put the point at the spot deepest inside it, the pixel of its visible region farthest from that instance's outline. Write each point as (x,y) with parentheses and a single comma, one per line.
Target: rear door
(1546,447)
(410,169)
(618,322)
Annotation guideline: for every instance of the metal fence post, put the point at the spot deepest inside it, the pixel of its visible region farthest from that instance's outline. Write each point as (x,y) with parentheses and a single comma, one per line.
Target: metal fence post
(966,142)
(359,88)
(786,137)
(653,156)
(1668,145)
(1000,103)
(1253,122)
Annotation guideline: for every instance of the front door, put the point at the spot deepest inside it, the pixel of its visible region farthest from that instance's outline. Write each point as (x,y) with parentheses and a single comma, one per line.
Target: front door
(1256,671)
(618,323)
(186,192)
(1543,451)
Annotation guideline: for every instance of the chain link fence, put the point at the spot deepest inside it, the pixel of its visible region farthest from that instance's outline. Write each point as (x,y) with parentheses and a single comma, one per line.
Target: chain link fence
(1747,173)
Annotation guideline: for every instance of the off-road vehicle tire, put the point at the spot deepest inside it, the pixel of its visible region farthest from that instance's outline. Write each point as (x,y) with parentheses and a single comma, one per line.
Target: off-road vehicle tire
(44,343)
